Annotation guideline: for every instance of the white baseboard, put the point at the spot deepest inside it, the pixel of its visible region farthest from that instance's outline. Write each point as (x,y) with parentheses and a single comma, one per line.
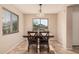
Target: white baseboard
(14,46)
(69,48)
(75,45)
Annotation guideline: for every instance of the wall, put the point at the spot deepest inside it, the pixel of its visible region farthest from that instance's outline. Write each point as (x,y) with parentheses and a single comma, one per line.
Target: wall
(75,23)
(67,26)
(74,18)
(61,27)
(11,40)
(52,23)
(72,26)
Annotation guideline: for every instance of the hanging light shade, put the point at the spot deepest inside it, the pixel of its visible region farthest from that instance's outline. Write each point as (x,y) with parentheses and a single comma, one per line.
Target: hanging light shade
(40,14)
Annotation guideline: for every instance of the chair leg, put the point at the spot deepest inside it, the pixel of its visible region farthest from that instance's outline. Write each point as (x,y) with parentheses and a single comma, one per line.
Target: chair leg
(36,48)
(48,48)
(40,48)
(28,48)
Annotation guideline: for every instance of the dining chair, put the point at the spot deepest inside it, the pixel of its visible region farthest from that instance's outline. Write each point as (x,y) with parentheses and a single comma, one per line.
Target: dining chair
(44,40)
(32,39)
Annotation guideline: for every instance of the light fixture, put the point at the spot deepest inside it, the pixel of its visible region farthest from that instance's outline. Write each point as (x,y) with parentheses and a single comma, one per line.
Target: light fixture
(41,14)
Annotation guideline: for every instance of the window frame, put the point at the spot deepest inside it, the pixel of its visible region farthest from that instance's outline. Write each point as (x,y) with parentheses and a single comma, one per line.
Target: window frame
(40,22)
(11,22)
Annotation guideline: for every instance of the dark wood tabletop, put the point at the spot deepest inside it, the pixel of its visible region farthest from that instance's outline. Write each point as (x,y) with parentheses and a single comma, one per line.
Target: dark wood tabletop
(26,36)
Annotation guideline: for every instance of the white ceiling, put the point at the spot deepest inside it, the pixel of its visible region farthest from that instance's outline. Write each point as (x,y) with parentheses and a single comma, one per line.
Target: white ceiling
(46,8)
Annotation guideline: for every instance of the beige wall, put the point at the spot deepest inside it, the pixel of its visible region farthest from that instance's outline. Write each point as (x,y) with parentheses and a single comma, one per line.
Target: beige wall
(9,41)
(52,23)
(73,31)
(75,22)
(67,26)
(61,27)
(75,26)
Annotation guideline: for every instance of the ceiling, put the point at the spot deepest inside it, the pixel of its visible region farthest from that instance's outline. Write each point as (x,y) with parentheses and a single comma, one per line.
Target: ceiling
(46,8)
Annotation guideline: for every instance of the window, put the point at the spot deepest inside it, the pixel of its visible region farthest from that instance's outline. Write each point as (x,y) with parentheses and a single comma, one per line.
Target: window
(10,22)
(40,24)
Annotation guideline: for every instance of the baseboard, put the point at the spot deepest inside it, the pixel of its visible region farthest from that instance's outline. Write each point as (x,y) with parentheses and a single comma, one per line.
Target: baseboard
(60,43)
(69,48)
(52,39)
(14,46)
(75,45)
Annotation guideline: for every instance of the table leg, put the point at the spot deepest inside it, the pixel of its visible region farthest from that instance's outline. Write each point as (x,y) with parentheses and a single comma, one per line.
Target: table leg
(38,50)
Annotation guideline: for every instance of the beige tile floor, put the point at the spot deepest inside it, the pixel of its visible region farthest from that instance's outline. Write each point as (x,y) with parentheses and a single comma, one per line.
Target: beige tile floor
(54,46)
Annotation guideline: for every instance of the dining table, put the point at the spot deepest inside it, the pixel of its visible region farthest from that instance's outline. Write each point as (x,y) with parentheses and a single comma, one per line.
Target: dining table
(38,40)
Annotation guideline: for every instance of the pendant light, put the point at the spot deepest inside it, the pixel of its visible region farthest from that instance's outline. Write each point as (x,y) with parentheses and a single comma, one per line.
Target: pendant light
(40,11)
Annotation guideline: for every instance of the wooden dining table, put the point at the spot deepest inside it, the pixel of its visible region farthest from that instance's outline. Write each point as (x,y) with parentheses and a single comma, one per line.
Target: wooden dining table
(38,36)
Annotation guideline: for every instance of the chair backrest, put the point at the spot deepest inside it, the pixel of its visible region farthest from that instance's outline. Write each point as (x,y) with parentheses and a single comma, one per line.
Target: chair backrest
(45,33)
(44,36)
(32,37)
(31,33)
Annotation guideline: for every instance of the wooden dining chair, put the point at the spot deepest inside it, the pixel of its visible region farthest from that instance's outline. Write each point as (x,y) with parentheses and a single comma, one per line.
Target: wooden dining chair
(32,39)
(44,40)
